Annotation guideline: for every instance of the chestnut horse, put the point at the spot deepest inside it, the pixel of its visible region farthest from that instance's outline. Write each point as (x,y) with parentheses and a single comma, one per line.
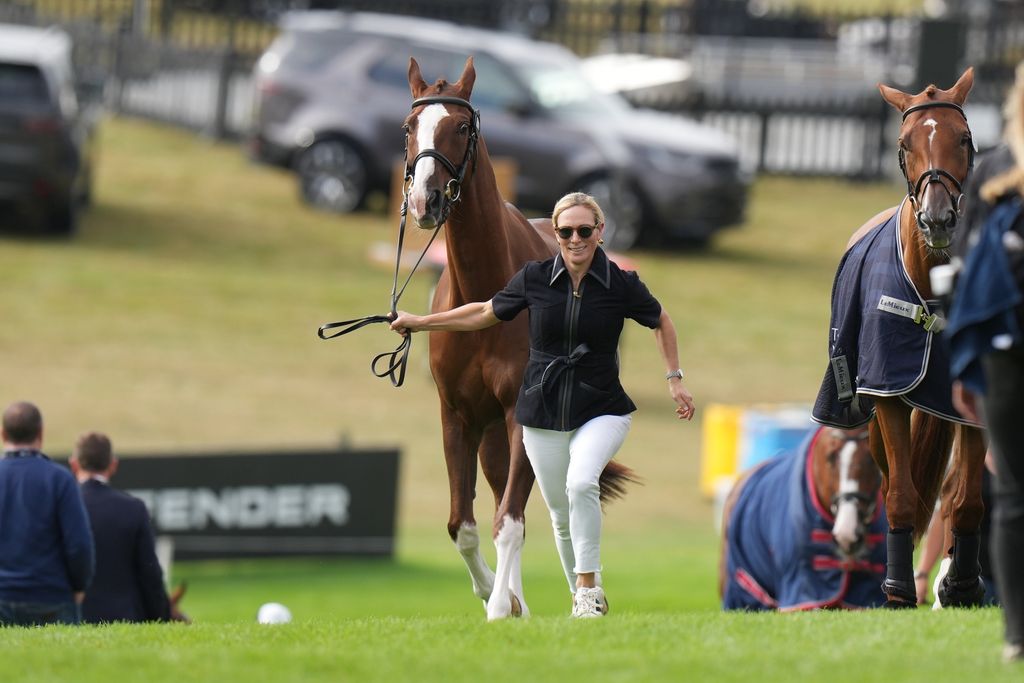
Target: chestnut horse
(450,181)
(805,530)
(889,365)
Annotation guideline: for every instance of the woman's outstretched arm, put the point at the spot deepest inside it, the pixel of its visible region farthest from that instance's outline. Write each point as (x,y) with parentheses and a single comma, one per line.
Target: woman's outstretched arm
(465,318)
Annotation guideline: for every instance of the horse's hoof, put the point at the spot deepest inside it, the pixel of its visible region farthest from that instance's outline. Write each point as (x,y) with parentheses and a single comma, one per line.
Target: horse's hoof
(896,603)
(517,607)
(902,591)
(961,593)
(497,612)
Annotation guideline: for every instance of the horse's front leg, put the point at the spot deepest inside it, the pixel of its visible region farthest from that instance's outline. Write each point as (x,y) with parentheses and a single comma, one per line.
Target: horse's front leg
(891,435)
(962,585)
(509,527)
(460,445)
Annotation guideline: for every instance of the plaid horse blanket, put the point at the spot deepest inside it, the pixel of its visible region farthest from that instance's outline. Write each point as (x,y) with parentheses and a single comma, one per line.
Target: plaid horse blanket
(884,337)
(780,554)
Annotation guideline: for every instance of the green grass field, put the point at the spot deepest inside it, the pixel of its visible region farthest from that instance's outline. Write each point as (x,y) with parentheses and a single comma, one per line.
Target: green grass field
(183,319)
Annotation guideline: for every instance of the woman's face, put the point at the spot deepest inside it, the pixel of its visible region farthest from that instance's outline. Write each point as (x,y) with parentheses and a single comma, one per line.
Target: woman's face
(578,251)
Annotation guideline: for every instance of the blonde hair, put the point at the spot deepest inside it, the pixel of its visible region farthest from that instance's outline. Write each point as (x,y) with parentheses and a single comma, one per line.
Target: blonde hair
(1013,179)
(577,199)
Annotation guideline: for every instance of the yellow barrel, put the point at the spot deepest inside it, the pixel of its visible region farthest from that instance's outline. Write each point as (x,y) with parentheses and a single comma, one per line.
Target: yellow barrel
(720,435)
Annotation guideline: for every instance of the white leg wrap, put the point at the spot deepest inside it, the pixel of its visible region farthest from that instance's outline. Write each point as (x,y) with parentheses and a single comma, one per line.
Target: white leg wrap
(467,541)
(509,543)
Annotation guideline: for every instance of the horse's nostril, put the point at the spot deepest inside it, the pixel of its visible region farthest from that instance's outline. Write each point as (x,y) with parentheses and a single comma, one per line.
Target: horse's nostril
(433,200)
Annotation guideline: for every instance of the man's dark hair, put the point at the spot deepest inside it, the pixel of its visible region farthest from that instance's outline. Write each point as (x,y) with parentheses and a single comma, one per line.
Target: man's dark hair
(93,452)
(23,423)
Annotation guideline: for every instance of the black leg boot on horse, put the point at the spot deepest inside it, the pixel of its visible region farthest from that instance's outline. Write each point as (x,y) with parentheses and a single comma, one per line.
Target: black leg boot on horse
(962,585)
(899,573)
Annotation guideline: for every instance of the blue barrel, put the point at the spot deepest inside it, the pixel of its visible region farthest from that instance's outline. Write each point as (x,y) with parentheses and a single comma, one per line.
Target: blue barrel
(766,433)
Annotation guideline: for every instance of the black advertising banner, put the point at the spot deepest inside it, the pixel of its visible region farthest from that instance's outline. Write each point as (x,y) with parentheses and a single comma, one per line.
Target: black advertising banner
(262,504)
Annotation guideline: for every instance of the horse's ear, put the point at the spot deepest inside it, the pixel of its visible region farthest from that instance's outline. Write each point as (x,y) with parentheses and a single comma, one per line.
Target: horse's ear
(416,83)
(897,98)
(464,85)
(963,86)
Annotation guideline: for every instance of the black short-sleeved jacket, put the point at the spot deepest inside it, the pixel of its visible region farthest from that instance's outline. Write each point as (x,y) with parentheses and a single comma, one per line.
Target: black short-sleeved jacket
(573,373)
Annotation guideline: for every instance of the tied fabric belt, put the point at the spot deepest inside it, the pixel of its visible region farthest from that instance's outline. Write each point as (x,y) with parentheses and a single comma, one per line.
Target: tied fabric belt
(556,366)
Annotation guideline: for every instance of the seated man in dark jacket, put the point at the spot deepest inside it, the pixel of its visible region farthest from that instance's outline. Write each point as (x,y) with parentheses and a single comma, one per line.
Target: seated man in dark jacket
(129,583)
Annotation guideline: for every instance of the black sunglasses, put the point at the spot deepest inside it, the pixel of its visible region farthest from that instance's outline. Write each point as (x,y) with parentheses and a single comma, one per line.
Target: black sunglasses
(584,231)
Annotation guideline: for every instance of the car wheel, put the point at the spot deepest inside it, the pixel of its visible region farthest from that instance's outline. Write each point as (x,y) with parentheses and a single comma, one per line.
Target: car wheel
(332,176)
(62,218)
(623,210)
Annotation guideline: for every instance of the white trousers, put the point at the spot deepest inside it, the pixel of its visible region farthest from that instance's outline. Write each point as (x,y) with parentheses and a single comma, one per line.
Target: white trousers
(568,466)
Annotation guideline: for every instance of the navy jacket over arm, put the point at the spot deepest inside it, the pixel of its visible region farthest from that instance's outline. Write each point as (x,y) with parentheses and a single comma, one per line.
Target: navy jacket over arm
(129,584)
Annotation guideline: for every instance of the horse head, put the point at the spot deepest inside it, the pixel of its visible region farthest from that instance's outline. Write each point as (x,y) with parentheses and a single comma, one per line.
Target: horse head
(847,477)
(936,153)
(441,135)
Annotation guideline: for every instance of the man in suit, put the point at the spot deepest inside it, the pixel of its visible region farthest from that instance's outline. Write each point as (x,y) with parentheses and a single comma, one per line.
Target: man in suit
(46,550)
(129,583)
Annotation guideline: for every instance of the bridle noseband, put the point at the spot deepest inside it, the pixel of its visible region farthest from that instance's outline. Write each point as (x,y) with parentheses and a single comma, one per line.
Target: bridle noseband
(935,175)
(453,190)
(392,364)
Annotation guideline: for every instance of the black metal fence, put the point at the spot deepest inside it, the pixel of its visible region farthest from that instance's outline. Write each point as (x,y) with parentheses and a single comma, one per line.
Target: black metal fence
(796,88)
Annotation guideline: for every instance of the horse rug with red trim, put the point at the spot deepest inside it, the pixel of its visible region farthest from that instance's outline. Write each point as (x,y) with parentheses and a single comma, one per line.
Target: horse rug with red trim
(780,550)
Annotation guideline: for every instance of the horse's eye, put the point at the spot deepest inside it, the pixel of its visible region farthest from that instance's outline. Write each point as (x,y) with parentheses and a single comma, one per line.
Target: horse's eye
(463,128)
(966,141)
(903,145)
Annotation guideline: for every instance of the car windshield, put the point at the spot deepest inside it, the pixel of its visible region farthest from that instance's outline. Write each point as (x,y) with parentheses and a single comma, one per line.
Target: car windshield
(564,89)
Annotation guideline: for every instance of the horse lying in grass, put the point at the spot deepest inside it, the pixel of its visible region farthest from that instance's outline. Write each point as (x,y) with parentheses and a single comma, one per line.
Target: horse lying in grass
(806,530)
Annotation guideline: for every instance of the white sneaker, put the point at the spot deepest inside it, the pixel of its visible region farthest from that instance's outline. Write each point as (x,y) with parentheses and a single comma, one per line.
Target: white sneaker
(589,602)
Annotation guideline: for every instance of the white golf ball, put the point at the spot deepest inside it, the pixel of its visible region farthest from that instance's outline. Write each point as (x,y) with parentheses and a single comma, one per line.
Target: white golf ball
(273,613)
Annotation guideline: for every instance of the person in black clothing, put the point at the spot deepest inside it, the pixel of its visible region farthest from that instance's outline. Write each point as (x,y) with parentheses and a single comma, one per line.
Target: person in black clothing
(575,413)
(985,322)
(129,583)
(46,551)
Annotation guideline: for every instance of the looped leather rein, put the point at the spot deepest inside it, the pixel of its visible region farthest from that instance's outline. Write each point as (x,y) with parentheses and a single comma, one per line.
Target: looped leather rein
(398,360)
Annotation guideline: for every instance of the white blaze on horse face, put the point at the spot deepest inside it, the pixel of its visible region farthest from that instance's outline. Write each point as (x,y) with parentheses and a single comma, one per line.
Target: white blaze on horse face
(931,136)
(426,129)
(845,528)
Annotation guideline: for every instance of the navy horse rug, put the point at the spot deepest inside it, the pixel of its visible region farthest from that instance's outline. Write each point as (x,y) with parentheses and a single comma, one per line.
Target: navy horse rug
(884,337)
(780,554)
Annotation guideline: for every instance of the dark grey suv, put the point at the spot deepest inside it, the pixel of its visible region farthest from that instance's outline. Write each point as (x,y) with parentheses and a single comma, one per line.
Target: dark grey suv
(46,133)
(332,92)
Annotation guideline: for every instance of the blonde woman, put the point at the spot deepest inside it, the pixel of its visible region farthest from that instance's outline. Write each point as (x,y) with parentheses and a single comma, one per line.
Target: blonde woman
(575,413)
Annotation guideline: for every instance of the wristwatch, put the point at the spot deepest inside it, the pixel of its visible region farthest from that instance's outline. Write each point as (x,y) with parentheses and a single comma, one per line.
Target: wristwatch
(674,373)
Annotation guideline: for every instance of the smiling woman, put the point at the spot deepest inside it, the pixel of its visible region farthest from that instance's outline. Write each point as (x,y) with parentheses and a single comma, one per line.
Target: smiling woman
(574,413)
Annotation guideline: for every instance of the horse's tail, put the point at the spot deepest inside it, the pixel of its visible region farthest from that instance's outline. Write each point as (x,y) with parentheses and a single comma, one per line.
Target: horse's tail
(614,479)
(931,439)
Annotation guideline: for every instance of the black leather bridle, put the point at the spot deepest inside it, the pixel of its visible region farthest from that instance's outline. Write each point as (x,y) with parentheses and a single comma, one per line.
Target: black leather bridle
(453,190)
(935,175)
(393,364)
(865,502)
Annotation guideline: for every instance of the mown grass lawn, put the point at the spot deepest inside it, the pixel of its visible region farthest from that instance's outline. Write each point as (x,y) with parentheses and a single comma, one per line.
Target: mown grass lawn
(183,319)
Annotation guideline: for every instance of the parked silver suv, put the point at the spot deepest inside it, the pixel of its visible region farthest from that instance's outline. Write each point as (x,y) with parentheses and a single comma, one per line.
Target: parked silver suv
(46,134)
(332,92)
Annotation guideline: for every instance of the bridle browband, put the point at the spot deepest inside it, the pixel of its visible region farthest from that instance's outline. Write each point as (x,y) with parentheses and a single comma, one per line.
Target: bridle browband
(453,190)
(398,359)
(935,175)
